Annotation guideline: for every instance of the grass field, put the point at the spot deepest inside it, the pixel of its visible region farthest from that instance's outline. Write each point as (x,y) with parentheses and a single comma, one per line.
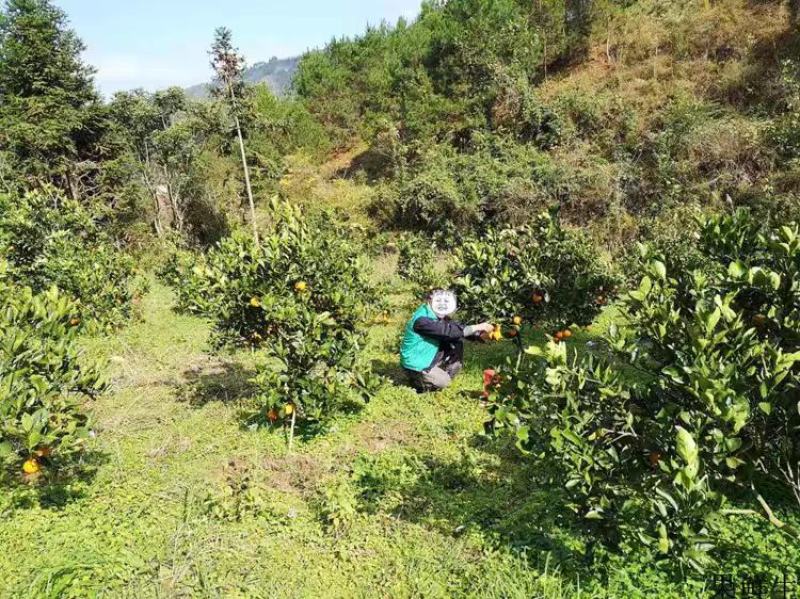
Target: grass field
(404,498)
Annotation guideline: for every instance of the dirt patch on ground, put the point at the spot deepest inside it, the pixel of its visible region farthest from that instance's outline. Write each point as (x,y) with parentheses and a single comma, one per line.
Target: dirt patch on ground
(379,436)
(299,474)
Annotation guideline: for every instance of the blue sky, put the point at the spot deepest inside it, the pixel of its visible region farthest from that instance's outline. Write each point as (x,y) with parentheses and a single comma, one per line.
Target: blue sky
(157,43)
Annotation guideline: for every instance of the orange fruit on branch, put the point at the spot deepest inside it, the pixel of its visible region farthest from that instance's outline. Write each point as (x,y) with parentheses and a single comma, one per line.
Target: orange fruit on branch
(300,286)
(255,302)
(517,320)
(31,466)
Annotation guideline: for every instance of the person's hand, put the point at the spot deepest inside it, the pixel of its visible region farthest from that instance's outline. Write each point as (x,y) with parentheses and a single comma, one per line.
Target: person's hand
(484,327)
(478,330)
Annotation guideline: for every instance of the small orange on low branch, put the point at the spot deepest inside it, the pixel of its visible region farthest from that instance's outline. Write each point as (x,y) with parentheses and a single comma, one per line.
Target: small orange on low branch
(31,466)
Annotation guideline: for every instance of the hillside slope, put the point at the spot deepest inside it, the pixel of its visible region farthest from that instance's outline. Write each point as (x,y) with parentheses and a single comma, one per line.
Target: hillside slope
(276,73)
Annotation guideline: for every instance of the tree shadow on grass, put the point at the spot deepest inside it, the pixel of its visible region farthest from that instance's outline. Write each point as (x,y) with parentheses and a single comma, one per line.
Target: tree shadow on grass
(391,370)
(226,382)
(59,484)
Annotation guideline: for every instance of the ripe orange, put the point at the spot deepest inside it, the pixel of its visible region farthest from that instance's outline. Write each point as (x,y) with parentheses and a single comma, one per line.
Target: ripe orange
(512,333)
(538,298)
(300,286)
(559,335)
(655,458)
(566,334)
(272,415)
(31,466)
(73,322)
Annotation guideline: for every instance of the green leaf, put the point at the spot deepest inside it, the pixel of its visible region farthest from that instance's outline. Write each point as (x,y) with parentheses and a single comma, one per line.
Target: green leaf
(6,449)
(659,269)
(737,270)
(688,451)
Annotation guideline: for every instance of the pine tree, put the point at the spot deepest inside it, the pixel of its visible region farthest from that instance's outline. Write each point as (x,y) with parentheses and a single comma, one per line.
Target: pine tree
(49,108)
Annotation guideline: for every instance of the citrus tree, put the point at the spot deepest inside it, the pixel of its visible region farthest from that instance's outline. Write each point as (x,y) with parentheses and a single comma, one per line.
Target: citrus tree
(300,299)
(44,379)
(540,274)
(49,240)
(695,395)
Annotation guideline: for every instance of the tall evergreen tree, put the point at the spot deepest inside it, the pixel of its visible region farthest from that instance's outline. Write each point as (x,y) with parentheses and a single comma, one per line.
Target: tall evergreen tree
(50,119)
(229,67)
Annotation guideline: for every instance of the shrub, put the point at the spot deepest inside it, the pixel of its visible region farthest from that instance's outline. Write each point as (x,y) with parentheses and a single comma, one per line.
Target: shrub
(543,273)
(51,241)
(415,262)
(44,379)
(301,299)
(185,271)
(694,397)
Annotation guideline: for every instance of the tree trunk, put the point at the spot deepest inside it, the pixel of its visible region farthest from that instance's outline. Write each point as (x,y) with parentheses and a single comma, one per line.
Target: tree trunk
(247,179)
(153,190)
(176,213)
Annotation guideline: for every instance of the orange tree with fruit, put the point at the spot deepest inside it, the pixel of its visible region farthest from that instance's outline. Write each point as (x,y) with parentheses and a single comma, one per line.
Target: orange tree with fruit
(542,275)
(49,240)
(692,398)
(301,300)
(44,381)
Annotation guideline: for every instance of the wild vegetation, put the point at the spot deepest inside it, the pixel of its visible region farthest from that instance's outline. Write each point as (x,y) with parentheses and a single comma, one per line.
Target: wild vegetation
(202,301)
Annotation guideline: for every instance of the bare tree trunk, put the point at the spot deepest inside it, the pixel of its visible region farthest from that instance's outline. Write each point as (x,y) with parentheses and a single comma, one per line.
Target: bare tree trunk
(176,213)
(153,192)
(246,173)
(73,192)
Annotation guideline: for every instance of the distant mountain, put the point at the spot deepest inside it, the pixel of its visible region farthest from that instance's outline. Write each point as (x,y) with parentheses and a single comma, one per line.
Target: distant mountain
(277,73)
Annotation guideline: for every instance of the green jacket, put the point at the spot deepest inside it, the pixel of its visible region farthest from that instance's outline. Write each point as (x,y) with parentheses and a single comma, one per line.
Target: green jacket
(417,352)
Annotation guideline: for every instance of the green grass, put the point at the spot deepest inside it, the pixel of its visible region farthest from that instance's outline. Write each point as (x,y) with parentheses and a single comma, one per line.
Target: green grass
(429,506)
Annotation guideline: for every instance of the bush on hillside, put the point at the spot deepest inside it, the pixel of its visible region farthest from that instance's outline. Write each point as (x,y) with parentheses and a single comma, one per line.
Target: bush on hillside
(44,379)
(694,397)
(49,240)
(417,263)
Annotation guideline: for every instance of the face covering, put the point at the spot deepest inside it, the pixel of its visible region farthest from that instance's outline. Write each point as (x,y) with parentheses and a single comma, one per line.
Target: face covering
(443,303)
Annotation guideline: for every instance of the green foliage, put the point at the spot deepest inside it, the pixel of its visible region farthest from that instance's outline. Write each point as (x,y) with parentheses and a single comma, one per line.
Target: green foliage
(696,395)
(44,379)
(302,298)
(52,241)
(416,262)
(784,132)
(544,273)
(450,194)
(51,123)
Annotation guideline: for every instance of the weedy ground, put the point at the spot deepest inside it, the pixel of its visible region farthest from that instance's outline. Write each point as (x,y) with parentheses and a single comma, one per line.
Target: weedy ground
(406,497)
